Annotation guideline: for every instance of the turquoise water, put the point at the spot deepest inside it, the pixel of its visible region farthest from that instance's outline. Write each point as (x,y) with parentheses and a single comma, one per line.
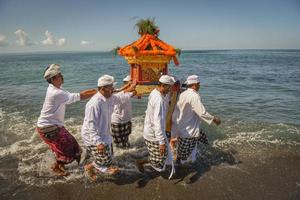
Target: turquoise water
(255,92)
(255,86)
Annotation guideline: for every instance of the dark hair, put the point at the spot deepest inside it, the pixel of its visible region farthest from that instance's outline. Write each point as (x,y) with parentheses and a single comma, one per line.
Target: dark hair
(192,84)
(46,69)
(49,80)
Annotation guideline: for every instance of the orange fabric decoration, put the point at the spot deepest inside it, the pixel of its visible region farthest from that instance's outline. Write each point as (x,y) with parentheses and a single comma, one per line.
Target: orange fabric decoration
(148,45)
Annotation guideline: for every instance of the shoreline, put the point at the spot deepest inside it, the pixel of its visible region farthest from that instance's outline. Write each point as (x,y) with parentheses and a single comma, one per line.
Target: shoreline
(220,175)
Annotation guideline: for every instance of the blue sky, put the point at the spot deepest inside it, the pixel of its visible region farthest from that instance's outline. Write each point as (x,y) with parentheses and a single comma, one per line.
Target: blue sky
(89,25)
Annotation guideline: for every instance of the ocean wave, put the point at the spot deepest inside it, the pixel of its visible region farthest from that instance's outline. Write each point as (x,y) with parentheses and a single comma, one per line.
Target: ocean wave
(253,134)
(15,126)
(34,158)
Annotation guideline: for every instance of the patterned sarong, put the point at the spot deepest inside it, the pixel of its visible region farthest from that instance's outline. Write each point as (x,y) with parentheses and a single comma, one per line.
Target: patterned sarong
(186,145)
(120,134)
(61,142)
(156,160)
(101,159)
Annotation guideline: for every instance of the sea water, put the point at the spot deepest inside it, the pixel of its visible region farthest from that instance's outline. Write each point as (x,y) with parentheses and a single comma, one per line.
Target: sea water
(255,92)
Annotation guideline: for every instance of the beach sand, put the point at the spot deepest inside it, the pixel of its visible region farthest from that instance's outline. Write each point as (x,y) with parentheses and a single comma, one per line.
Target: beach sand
(218,174)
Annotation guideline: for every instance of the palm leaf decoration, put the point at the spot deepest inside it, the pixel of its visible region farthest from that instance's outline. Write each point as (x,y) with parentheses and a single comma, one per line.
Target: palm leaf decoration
(147,26)
(115,50)
(178,51)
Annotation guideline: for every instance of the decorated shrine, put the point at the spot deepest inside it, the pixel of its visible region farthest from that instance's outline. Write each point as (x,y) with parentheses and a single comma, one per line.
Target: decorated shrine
(148,57)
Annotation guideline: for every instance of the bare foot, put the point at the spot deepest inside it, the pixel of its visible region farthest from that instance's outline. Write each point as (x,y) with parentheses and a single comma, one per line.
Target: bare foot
(113,170)
(140,166)
(58,170)
(62,167)
(90,172)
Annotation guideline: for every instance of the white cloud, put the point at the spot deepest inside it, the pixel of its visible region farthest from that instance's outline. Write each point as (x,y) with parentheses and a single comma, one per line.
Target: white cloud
(3,41)
(23,39)
(51,40)
(61,42)
(84,43)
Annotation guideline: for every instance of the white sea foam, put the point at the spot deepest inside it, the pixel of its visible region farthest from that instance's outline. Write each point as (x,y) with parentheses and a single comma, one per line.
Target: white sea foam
(251,139)
(35,158)
(14,127)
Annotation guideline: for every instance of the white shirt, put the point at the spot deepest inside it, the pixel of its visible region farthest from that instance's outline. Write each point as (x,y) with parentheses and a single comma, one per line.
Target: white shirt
(97,121)
(155,119)
(187,114)
(122,111)
(53,111)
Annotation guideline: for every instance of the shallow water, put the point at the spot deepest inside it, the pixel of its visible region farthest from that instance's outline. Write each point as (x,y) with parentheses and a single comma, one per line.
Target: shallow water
(255,92)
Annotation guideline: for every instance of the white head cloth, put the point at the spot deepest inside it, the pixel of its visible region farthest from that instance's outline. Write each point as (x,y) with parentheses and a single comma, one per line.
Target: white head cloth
(192,79)
(106,80)
(166,79)
(52,71)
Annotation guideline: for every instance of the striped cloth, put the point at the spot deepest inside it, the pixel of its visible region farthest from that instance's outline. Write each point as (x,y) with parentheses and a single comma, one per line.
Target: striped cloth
(156,160)
(120,133)
(101,159)
(186,145)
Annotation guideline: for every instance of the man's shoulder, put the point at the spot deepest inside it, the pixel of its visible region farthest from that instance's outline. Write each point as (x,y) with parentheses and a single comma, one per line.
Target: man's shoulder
(120,95)
(153,92)
(189,92)
(55,92)
(189,96)
(95,100)
(155,96)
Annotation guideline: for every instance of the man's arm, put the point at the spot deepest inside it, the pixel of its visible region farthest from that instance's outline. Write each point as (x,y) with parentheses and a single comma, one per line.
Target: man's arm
(85,94)
(158,120)
(123,87)
(92,115)
(131,88)
(65,97)
(200,110)
(217,120)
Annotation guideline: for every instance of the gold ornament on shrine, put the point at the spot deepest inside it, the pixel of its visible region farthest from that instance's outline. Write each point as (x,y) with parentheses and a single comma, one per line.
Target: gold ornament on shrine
(148,57)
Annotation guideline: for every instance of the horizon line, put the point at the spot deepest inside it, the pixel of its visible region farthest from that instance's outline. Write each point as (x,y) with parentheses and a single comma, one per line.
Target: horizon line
(110,51)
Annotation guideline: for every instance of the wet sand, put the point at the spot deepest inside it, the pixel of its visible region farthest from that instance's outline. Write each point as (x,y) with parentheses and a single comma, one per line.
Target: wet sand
(217,175)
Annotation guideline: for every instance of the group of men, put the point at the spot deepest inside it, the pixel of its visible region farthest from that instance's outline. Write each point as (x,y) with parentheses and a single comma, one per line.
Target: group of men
(108,119)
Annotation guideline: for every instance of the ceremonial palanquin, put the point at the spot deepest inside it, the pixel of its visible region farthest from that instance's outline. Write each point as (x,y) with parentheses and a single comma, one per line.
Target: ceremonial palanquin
(148,57)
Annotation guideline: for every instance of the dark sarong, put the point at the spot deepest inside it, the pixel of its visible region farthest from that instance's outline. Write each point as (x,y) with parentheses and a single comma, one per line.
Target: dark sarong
(61,142)
(120,133)
(156,160)
(186,145)
(101,159)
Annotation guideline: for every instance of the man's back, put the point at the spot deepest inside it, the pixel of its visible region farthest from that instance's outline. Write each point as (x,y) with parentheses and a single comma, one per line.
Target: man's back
(155,119)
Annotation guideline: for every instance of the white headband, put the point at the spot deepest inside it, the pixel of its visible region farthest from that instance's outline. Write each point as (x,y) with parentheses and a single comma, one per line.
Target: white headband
(166,79)
(52,71)
(193,79)
(106,80)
